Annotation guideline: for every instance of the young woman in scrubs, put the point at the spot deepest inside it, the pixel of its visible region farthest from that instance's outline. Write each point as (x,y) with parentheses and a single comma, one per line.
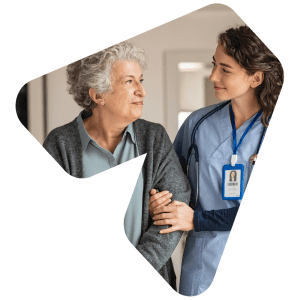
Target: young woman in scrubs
(246,72)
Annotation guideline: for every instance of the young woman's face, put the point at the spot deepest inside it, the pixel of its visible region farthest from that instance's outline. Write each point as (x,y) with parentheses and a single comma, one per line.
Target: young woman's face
(230,80)
(232,175)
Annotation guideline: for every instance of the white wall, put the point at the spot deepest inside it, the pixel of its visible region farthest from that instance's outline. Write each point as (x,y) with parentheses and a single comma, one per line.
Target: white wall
(61,107)
(35,109)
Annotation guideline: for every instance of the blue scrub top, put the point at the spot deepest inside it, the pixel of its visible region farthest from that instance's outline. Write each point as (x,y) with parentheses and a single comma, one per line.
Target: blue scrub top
(204,249)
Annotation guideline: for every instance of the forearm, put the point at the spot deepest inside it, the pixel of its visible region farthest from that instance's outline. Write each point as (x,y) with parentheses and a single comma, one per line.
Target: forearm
(215,220)
(167,174)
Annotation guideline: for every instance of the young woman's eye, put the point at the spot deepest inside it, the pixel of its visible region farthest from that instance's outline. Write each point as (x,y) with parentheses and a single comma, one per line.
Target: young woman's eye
(214,64)
(225,71)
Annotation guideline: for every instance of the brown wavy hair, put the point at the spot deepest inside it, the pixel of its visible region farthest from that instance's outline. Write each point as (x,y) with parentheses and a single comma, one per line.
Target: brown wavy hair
(252,54)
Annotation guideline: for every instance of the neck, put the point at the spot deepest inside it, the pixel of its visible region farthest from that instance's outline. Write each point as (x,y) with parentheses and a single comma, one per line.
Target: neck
(243,110)
(105,130)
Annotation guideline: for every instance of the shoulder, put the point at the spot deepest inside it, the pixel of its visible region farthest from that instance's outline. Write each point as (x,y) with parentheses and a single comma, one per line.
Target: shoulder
(150,135)
(149,129)
(63,134)
(141,124)
(183,137)
(195,116)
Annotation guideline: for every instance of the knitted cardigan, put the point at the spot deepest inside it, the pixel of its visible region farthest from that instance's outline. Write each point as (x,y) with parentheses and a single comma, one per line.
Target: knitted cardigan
(161,170)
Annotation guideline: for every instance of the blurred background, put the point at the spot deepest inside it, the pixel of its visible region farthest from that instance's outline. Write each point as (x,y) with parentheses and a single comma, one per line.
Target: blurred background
(179,57)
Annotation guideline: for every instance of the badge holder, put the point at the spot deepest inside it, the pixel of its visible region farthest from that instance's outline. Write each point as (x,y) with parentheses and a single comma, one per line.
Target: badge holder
(233,180)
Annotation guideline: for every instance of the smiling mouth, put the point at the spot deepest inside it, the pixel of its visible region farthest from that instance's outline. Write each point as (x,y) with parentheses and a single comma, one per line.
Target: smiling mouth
(218,88)
(138,103)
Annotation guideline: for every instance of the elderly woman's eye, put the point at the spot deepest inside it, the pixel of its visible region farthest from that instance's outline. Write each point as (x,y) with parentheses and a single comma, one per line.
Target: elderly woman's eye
(129,81)
(141,81)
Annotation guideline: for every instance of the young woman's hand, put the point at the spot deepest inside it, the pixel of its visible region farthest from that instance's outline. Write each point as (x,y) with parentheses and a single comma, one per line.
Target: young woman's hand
(178,214)
(158,200)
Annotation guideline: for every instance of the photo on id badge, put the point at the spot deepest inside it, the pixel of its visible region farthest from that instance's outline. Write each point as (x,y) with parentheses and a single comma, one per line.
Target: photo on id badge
(233,182)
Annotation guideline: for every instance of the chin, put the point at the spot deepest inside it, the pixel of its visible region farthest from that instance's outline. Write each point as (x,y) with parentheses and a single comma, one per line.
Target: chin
(220,98)
(220,95)
(138,113)
(138,116)
(134,117)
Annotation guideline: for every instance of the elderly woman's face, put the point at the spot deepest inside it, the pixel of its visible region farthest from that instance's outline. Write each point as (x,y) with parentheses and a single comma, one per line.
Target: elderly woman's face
(125,101)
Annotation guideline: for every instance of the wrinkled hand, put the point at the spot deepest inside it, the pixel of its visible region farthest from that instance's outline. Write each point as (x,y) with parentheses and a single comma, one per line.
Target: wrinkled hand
(158,200)
(178,214)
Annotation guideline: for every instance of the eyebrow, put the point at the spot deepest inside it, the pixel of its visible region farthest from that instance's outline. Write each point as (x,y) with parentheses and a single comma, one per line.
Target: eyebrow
(131,76)
(222,64)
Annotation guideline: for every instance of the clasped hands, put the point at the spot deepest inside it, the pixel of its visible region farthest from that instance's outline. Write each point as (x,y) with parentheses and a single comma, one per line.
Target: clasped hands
(164,211)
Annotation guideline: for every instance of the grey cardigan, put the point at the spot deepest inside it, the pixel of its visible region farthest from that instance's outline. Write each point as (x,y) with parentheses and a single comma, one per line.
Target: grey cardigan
(161,170)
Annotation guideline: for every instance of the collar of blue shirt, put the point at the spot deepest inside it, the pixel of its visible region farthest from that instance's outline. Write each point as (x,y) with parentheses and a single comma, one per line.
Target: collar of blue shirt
(85,138)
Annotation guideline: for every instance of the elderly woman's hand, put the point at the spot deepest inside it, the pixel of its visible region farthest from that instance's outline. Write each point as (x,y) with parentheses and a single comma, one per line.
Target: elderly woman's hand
(158,200)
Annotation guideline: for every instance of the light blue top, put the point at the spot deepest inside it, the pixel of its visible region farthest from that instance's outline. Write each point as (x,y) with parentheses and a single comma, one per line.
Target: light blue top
(204,249)
(96,159)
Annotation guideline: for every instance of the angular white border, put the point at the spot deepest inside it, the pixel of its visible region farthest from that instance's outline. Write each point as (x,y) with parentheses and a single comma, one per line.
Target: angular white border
(42,244)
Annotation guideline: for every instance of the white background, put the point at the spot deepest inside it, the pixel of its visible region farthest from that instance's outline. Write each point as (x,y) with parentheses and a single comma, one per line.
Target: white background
(62,237)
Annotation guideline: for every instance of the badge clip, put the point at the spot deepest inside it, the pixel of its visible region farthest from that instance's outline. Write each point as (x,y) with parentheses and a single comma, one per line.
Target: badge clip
(233,159)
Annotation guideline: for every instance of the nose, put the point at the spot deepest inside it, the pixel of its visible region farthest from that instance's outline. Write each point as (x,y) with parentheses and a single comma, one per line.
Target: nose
(140,90)
(214,76)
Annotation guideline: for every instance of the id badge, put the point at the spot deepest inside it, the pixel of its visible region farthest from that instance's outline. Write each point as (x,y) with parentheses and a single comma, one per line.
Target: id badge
(233,182)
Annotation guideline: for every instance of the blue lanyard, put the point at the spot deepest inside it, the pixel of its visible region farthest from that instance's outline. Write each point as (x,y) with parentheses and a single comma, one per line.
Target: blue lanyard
(234,146)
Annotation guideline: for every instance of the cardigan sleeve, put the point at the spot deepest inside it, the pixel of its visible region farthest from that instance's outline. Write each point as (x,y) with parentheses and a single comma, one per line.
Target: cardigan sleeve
(64,145)
(167,175)
(52,145)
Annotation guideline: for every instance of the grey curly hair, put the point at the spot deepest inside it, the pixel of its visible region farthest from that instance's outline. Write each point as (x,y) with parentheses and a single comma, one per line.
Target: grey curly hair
(94,71)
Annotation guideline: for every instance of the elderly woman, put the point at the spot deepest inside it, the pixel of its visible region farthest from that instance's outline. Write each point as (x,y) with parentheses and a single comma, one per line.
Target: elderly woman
(108,132)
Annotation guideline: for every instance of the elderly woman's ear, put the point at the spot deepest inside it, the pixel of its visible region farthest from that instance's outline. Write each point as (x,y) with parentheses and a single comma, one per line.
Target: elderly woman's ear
(95,97)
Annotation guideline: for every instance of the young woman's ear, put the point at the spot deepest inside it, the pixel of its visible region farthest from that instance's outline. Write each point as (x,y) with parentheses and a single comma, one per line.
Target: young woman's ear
(257,79)
(95,97)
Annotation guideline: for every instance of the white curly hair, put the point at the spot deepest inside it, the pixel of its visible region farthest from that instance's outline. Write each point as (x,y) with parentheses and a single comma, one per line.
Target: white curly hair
(94,71)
